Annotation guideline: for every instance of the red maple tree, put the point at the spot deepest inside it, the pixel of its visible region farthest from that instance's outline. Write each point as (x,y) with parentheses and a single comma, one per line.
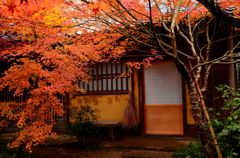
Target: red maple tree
(41,58)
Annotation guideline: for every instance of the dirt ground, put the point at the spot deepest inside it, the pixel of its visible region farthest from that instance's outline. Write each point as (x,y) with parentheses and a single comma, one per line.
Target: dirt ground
(100,153)
(123,147)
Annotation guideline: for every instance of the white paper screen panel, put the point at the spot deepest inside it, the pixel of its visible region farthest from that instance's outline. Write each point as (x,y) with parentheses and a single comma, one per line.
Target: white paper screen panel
(163,84)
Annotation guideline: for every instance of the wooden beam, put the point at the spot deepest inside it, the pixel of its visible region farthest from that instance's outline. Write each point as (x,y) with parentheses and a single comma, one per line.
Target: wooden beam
(231,67)
(141,100)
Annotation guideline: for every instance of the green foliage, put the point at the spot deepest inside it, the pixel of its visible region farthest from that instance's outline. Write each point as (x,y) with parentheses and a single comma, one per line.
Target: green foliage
(84,128)
(189,151)
(86,114)
(226,122)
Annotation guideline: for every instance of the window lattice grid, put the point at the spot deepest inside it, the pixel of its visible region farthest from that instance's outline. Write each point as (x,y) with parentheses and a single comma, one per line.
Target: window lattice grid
(107,77)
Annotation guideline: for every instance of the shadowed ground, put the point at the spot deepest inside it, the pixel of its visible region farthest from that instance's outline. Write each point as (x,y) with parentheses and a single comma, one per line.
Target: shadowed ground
(124,147)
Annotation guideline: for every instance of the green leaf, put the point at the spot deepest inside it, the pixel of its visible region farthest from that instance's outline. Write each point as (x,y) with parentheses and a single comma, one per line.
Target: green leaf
(223,133)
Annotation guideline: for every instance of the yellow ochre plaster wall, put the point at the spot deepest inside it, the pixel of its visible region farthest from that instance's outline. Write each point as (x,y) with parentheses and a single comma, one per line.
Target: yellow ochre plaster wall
(109,107)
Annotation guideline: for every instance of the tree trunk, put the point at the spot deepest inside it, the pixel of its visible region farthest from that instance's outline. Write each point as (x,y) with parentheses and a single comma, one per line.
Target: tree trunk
(200,121)
(197,110)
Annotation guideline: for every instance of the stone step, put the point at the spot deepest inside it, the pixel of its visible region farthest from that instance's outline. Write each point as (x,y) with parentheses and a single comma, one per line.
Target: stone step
(146,154)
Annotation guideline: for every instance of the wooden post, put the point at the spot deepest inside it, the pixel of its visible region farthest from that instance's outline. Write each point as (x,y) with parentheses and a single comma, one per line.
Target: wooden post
(231,67)
(141,100)
(111,136)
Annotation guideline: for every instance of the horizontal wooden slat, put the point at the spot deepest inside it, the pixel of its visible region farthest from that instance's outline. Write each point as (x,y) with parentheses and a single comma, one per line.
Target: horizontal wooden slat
(107,123)
(165,120)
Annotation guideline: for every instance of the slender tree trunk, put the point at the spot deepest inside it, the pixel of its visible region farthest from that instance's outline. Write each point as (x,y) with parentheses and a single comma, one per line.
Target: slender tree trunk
(200,121)
(198,112)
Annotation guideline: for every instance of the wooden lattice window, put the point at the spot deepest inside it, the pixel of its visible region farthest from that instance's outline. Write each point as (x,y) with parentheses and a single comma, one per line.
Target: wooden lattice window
(107,78)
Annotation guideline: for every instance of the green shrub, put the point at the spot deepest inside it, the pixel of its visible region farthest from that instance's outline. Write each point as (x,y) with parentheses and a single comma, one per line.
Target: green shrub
(84,129)
(86,114)
(226,122)
(189,151)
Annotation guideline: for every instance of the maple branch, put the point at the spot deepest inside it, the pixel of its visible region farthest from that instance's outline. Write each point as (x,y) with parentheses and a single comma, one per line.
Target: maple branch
(190,41)
(221,58)
(207,68)
(79,24)
(205,77)
(137,40)
(134,17)
(139,13)
(86,1)
(126,26)
(77,7)
(23,20)
(155,33)
(175,15)
(219,40)
(161,18)
(209,43)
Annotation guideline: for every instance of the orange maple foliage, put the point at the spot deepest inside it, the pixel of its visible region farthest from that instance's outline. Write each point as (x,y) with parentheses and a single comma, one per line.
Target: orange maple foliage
(41,57)
(118,10)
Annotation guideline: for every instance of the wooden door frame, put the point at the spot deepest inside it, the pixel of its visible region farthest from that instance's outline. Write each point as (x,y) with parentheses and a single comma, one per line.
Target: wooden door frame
(141,79)
(141,86)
